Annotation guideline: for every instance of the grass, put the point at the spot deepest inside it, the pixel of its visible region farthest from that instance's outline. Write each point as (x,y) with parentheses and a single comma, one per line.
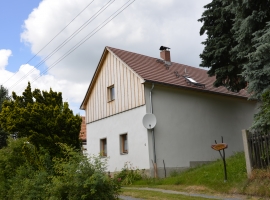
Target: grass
(209,179)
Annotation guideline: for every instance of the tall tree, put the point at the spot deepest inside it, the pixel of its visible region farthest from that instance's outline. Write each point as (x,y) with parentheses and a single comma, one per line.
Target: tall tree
(3,97)
(237,44)
(218,22)
(252,35)
(43,118)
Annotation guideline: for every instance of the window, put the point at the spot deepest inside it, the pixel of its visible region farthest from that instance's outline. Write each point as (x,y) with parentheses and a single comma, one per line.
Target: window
(111,93)
(123,144)
(191,81)
(103,147)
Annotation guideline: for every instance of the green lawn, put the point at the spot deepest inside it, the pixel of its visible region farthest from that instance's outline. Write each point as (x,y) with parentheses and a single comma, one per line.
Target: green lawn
(209,179)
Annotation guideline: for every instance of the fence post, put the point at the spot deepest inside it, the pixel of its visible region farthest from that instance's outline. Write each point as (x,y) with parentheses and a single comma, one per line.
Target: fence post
(246,150)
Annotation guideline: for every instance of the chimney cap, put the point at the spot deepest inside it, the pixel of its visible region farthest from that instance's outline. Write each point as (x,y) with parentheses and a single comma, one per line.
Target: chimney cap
(162,48)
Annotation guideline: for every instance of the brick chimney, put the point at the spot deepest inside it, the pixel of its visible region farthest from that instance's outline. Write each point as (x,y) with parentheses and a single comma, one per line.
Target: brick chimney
(165,53)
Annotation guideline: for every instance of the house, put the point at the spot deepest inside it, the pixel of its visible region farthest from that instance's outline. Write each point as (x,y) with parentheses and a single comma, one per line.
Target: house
(83,134)
(190,113)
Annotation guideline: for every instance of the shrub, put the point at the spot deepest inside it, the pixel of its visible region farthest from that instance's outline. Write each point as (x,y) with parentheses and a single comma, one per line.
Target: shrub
(79,177)
(129,174)
(34,174)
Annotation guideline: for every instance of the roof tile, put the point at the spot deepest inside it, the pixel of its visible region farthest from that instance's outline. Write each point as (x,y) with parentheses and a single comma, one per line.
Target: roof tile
(152,71)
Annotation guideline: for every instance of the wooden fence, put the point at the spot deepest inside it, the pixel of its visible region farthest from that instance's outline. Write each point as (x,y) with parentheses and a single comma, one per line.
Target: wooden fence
(257,149)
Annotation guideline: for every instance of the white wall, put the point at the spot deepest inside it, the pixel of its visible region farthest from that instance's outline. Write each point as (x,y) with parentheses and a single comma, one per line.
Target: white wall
(188,122)
(129,122)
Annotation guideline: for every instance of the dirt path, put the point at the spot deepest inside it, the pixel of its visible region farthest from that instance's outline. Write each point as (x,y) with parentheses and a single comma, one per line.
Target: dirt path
(228,197)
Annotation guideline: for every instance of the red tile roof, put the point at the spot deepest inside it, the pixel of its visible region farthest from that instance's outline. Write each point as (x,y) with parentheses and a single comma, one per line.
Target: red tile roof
(152,71)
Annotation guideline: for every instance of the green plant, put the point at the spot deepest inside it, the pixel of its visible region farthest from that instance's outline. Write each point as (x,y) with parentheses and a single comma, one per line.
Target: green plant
(174,173)
(30,173)
(129,174)
(43,118)
(81,177)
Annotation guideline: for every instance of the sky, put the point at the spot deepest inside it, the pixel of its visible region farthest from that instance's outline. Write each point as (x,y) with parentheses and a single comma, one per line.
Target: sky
(58,43)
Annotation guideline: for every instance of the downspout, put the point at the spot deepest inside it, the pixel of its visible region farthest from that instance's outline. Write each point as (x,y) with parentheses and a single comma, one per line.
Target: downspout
(153,134)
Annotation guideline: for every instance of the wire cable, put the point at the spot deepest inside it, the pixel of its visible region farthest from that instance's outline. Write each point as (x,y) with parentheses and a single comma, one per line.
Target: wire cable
(102,9)
(104,23)
(52,39)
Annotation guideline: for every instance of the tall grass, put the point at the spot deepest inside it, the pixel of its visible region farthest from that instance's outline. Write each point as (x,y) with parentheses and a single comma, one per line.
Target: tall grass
(209,175)
(209,178)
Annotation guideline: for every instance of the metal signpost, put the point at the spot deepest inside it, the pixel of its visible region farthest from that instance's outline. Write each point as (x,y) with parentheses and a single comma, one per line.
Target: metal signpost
(218,147)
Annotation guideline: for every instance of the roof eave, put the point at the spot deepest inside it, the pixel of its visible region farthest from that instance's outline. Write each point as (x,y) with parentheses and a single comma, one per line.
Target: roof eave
(196,89)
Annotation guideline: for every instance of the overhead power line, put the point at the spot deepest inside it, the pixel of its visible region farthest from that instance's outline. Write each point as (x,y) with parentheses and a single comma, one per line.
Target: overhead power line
(102,9)
(92,33)
(53,38)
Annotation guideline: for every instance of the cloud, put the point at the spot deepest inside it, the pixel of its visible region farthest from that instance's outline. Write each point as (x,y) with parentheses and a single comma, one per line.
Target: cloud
(71,92)
(142,28)
(4,55)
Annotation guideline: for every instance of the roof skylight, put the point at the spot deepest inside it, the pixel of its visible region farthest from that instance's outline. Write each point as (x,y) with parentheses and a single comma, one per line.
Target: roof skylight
(191,81)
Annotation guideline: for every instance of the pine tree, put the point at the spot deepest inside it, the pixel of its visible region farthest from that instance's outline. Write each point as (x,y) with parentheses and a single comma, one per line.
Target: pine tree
(246,44)
(251,30)
(217,22)
(43,118)
(237,44)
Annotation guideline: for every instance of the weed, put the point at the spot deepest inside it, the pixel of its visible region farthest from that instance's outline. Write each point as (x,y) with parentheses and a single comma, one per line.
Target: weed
(129,174)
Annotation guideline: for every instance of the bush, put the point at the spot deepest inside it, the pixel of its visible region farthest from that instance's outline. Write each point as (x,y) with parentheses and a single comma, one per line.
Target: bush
(129,174)
(79,177)
(35,175)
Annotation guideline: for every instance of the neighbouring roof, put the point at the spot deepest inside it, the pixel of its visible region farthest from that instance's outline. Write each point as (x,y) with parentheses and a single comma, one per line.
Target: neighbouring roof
(83,129)
(152,71)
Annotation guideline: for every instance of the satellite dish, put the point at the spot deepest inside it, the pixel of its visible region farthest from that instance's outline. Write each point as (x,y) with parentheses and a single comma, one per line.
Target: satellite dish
(149,121)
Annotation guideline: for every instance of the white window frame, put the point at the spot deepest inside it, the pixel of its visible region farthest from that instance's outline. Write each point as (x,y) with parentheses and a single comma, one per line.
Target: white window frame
(111,93)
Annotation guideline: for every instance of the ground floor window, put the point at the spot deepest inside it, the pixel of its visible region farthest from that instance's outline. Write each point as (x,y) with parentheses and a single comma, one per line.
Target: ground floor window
(123,144)
(103,147)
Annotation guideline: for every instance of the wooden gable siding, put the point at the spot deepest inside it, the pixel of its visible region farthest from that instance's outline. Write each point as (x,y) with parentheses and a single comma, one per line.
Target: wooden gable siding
(129,91)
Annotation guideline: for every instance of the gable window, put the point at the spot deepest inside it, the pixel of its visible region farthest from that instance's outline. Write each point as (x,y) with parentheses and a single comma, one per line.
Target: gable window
(103,147)
(123,144)
(111,93)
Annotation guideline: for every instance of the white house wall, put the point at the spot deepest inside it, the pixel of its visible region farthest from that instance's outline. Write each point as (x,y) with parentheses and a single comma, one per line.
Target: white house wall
(189,122)
(129,90)
(111,128)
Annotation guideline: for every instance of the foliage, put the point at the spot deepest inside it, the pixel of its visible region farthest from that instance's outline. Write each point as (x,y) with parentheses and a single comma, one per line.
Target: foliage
(79,177)
(262,118)
(11,158)
(257,70)
(43,118)
(217,22)
(129,174)
(252,35)
(3,97)
(28,173)
(237,44)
